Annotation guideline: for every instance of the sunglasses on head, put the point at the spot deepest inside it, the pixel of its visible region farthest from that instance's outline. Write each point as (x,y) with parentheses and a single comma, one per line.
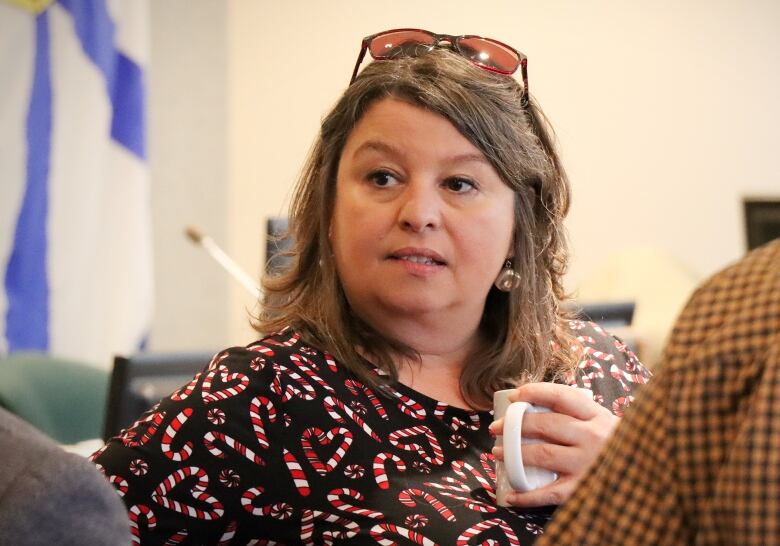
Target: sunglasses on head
(486,53)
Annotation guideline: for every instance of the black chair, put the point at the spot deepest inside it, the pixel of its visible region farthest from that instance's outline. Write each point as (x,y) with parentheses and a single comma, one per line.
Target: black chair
(137,383)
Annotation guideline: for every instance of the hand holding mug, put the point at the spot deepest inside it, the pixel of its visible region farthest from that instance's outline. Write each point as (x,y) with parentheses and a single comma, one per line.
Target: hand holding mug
(560,441)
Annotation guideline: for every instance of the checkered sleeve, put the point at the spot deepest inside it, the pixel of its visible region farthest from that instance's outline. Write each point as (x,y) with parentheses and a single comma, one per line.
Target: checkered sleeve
(631,496)
(696,459)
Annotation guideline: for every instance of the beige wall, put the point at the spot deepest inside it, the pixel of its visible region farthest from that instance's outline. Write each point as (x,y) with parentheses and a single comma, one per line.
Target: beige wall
(666,114)
(188,117)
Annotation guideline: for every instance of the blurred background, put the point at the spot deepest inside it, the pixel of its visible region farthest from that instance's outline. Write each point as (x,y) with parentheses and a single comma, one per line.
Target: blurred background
(666,114)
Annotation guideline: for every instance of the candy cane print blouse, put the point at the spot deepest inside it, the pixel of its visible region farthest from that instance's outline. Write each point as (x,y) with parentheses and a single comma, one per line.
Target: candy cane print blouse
(277,443)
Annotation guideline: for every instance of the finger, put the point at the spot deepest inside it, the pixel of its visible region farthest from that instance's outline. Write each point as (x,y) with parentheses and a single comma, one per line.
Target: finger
(560,459)
(498,453)
(497,427)
(555,493)
(556,428)
(559,398)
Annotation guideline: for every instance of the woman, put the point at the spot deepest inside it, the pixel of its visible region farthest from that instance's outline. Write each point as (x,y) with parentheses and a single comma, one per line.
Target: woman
(426,275)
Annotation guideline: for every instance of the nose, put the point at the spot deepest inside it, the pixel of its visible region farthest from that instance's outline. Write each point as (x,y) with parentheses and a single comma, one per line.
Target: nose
(420,209)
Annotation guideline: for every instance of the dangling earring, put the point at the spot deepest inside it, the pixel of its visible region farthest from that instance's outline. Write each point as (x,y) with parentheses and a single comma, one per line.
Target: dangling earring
(508,279)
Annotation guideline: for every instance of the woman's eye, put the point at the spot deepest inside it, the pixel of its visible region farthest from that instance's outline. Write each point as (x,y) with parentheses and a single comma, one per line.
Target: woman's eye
(459,185)
(382,178)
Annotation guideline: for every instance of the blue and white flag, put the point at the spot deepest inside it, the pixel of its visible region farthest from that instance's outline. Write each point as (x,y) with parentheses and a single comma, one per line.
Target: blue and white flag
(75,219)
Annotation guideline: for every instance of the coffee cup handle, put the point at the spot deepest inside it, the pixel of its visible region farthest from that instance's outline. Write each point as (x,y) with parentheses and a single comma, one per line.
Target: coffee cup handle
(522,478)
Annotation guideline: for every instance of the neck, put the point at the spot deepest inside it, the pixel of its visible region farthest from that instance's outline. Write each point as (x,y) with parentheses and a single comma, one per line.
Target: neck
(436,376)
(437,334)
(443,339)
(444,348)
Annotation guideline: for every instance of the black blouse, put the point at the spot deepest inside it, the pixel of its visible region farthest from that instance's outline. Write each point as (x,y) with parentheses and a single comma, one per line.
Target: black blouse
(277,443)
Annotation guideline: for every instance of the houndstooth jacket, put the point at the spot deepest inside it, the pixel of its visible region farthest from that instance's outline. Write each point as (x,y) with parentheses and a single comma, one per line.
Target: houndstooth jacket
(696,459)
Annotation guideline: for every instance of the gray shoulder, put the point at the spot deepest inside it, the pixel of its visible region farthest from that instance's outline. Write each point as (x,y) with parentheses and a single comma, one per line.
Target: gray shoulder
(50,496)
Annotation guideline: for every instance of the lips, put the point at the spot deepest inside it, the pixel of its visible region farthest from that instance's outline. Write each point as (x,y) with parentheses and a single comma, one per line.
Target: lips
(423,256)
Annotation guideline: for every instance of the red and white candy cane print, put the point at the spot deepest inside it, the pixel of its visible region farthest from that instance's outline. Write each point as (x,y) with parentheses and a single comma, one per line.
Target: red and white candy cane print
(335,500)
(577,324)
(380,473)
(257,364)
(599,355)
(117,481)
(331,362)
(436,458)
(407,497)
(624,377)
(216,416)
(215,362)
(308,368)
(138,467)
(279,511)
(488,465)
(621,346)
(482,526)
(170,433)
(97,454)
(331,404)
(296,471)
(184,392)
(227,392)
(198,493)
(586,340)
(137,512)
(591,370)
(456,423)
(176,538)
(258,403)
(307,393)
(415,521)
(634,366)
(213,436)
(288,343)
(325,438)
(262,349)
(461,468)
(300,359)
(620,404)
(354,471)
(461,491)
(130,438)
(468,502)
(348,527)
(378,531)
(408,406)
(598,329)
(356,386)
(228,535)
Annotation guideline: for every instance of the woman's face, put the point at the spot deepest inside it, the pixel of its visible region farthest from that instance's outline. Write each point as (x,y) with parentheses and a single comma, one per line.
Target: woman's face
(422,222)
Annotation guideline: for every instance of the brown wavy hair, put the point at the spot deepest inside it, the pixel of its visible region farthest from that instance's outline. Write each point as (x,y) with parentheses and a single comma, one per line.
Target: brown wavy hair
(523,336)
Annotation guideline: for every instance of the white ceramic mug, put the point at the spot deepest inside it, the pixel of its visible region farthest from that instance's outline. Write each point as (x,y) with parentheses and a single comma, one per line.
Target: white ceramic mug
(512,474)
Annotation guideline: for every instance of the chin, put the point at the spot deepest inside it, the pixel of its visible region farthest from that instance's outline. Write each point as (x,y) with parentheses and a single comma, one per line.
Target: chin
(415,304)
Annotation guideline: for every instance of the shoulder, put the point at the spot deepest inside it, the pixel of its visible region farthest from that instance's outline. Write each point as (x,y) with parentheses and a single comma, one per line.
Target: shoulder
(264,358)
(281,348)
(48,495)
(607,366)
(732,312)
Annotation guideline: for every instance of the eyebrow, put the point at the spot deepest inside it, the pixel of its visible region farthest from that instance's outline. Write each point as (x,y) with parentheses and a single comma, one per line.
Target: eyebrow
(384,147)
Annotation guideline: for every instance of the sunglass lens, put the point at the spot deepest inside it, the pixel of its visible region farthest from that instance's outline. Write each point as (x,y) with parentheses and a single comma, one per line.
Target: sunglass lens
(489,54)
(400,43)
